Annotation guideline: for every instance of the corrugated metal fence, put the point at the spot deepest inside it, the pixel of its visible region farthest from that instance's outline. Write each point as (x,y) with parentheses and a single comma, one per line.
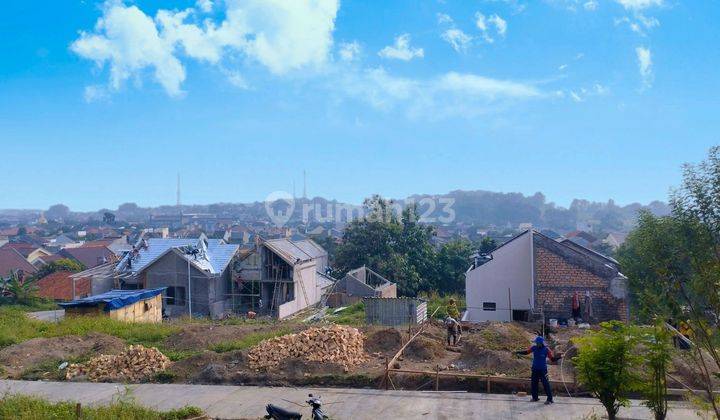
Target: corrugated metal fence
(395,311)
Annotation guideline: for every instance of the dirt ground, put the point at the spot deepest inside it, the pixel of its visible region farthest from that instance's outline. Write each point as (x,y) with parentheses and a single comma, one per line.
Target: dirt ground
(486,348)
(18,358)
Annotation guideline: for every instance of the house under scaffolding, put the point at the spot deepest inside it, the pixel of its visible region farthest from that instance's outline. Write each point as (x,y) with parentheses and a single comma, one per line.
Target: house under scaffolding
(279,277)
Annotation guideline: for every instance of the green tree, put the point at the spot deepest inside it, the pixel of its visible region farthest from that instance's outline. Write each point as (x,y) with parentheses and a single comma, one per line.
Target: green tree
(21,289)
(607,363)
(487,245)
(657,351)
(63,264)
(673,264)
(451,263)
(394,245)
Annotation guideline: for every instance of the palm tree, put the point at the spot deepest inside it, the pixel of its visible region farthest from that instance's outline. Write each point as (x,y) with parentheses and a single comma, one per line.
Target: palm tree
(21,289)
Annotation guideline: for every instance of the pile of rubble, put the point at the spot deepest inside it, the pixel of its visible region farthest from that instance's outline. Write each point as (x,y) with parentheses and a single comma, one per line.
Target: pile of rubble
(335,344)
(132,365)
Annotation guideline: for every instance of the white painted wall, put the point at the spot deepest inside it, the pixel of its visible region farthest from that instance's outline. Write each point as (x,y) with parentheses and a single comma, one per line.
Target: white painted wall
(511,267)
(304,275)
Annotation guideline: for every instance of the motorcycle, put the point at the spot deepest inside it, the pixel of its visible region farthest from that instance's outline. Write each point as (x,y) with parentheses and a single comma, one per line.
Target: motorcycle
(279,413)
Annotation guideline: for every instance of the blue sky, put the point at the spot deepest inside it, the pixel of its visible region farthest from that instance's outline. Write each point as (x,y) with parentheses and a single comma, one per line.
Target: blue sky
(106,102)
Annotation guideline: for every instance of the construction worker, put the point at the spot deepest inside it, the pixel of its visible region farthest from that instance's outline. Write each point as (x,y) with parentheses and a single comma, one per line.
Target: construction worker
(453,330)
(540,354)
(452,309)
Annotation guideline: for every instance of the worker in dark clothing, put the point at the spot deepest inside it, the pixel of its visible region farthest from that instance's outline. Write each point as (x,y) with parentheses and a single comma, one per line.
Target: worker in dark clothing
(453,330)
(540,354)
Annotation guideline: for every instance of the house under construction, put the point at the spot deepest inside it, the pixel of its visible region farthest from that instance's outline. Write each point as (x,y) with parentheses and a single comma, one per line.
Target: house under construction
(279,277)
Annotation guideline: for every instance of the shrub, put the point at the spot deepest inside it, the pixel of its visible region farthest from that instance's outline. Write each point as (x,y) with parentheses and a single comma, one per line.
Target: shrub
(436,301)
(607,364)
(656,342)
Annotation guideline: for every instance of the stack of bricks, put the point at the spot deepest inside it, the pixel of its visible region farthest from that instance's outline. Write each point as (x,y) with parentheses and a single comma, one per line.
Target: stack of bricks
(556,280)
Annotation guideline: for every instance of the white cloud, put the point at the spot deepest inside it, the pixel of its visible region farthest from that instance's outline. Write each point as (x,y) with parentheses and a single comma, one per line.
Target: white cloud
(128,41)
(401,49)
(349,51)
(443,18)
(500,24)
(488,25)
(581,94)
(95,93)
(644,58)
(447,95)
(205,5)
(639,24)
(636,5)
(281,35)
(591,5)
(562,67)
(457,38)
(236,79)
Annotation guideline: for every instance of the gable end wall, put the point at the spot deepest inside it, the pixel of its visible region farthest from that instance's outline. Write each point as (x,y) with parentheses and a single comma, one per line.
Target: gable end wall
(556,280)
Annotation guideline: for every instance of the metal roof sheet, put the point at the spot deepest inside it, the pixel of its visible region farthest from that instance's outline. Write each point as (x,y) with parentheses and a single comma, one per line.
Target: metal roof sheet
(218,254)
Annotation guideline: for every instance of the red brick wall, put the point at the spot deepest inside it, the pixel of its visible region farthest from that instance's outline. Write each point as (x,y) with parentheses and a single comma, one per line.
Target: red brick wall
(556,280)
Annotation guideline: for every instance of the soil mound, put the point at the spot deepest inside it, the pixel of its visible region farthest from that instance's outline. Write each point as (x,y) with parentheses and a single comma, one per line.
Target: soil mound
(388,340)
(19,357)
(201,336)
(424,348)
(503,336)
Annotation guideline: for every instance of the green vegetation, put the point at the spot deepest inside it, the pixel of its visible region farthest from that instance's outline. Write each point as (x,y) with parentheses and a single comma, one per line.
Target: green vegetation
(63,264)
(30,408)
(176,355)
(16,327)
(673,264)
(249,340)
(400,248)
(32,305)
(657,351)
(165,377)
(607,365)
(21,290)
(353,315)
(439,302)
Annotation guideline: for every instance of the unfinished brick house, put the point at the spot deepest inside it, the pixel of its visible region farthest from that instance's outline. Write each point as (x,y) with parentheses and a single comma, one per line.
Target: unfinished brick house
(533,275)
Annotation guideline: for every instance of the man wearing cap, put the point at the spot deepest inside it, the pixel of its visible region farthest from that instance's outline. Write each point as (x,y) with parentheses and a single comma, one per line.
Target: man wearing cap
(540,354)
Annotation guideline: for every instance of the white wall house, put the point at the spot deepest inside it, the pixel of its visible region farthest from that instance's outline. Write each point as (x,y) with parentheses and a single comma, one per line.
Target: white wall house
(502,284)
(533,272)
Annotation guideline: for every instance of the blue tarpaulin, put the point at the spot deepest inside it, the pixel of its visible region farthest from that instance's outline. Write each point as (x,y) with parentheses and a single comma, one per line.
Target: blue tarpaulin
(115,299)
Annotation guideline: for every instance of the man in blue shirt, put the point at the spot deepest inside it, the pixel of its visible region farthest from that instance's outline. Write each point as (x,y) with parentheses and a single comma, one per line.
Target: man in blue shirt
(539,368)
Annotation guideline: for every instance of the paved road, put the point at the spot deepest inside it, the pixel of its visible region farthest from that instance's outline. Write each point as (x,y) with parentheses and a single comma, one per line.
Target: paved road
(240,402)
(48,315)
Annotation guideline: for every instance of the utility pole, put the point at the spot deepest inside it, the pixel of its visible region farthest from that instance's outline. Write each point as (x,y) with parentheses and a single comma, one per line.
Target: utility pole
(189,293)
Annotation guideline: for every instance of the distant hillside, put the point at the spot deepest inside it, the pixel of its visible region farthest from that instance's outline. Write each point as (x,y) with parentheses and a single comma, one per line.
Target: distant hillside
(477,208)
(510,209)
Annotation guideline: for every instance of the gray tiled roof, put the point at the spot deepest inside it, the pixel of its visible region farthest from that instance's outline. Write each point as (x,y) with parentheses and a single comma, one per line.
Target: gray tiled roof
(219,254)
